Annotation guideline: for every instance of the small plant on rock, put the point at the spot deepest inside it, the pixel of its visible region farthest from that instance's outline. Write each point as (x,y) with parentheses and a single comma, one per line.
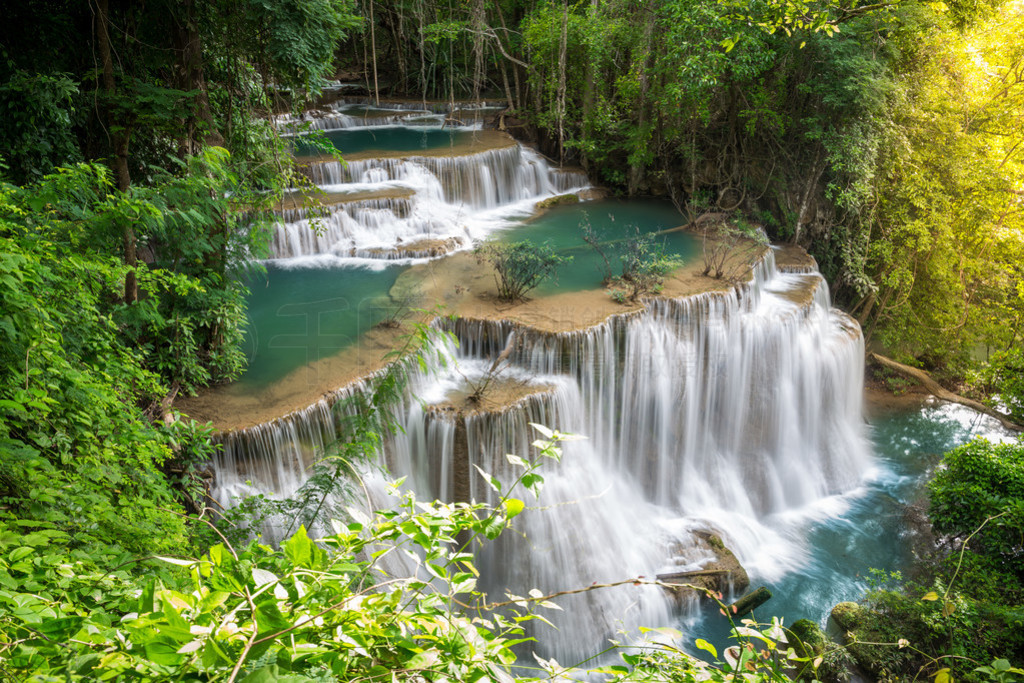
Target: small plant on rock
(730,247)
(520,266)
(644,264)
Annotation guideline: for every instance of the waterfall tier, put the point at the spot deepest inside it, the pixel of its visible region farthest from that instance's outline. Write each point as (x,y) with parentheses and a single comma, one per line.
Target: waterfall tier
(361,112)
(736,412)
(445,200)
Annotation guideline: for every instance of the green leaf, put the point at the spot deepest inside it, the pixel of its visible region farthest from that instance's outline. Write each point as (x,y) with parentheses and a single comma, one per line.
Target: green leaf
(702,644)
(298,548)
(547,433)
(513,506)
(492,481)
(163,650)
(272,674)
(146,597)
(493,526)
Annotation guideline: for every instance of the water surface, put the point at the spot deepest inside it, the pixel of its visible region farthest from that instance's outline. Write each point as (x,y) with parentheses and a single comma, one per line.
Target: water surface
(391,139)
(877,532)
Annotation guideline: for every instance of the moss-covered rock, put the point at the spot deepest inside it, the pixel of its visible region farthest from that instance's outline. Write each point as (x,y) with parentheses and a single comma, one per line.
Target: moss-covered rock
(848,616)
(862,626)
(558,200)
(807,638)
(808,641)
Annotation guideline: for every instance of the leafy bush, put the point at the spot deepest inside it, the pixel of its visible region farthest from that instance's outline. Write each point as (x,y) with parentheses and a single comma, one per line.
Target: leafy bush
(521,266)
(979,495)
(967,611)
(644,263)
(314,610)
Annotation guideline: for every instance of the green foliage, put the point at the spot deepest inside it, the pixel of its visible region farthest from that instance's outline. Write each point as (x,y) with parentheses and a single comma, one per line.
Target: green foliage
(37,110)
(1004,374)
(970,607)
(951,632)
(980,493)
(77,454)
(198,224)
(644,263)
(520,266)
(296,39)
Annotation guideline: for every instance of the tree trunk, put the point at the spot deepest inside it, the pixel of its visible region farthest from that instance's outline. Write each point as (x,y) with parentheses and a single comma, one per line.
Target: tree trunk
(937,390)
(812,181)
(191,78)
(562,50)
(373,51)
(588,94)
(120,138)
(479,26)
(636,169)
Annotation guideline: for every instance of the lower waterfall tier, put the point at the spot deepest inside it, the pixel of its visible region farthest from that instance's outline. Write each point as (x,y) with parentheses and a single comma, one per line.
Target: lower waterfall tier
(732,412)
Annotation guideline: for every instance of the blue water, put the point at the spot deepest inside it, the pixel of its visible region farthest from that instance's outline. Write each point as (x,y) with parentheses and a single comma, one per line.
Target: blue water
(875,532)
(614,221)
(298,315)
(391,139)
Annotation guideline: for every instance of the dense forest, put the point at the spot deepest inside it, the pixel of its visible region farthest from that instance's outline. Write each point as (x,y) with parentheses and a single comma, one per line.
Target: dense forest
(140,157)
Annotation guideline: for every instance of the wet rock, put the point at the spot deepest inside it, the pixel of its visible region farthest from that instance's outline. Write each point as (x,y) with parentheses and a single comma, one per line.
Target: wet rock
(592,193)
(724,574)
(558,200)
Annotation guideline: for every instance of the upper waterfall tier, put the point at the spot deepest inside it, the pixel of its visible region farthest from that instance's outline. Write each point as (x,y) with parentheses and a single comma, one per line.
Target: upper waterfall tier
(362,112)
(422,196)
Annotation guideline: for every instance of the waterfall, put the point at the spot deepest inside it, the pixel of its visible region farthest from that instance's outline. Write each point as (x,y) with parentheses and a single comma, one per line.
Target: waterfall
(361,112)
(483,180)
(735,412)
(446,203)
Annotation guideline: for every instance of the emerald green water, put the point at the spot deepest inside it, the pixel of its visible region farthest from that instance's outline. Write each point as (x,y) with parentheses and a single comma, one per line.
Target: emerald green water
(390,139)
(299,315)
(614,221)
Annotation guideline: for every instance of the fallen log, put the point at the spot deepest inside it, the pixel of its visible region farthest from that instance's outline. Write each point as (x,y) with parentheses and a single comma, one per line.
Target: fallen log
(669,578)
(750,602)
(937,390)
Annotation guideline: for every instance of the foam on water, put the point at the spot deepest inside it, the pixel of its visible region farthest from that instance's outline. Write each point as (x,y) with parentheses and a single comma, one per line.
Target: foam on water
(733,412)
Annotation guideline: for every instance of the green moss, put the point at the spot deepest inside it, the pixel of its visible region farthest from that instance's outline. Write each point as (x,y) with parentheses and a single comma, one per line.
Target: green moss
(807,638)
(715,542)
(558,200)
(849,615)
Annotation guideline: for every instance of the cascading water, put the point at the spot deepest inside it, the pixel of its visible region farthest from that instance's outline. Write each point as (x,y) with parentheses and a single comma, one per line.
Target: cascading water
(446,200)
(733,412)
(362,112)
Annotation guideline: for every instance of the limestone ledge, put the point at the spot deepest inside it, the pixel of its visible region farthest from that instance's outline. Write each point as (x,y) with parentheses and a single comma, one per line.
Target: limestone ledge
(459,285)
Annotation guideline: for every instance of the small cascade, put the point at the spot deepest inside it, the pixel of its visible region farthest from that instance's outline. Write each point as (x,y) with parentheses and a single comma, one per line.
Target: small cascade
(483,180)
(362,112)
(442,197)
(736,413)
(399,207)
(355,226)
